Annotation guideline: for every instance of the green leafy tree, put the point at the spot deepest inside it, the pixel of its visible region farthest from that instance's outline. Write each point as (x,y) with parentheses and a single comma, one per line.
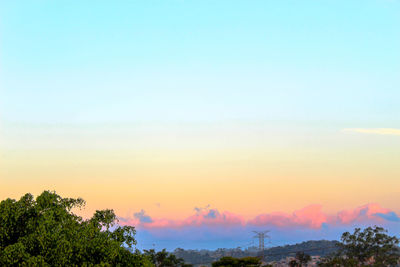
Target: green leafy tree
(226,262)
(370,247)
(235,262)
(45,232)
(249,261)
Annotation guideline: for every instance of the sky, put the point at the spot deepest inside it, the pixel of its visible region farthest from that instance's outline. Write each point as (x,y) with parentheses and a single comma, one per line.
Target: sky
(200,121)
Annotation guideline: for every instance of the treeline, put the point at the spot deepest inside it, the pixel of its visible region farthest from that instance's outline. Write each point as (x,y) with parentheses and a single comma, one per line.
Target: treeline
(208,256)
(321,248)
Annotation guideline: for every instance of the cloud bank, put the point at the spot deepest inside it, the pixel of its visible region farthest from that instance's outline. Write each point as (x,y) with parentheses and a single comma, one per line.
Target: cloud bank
(311,217)
(211,228)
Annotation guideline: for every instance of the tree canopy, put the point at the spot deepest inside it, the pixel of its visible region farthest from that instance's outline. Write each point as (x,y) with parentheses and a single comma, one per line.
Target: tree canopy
(164,259)
(369,247)
(45,232)
(235,262)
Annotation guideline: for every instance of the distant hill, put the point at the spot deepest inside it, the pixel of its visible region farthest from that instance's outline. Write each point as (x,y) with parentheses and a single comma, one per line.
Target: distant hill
(314,248)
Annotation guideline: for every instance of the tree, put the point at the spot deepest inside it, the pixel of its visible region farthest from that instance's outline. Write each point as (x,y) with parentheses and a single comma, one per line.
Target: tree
(249,261)
(235,262)
(226,262)
(302,258)
(165,259)
(372,247)
(45,232)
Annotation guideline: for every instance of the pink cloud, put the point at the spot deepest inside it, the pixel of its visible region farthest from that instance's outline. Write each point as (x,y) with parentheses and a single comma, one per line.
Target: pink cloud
(362,213)
(310,217)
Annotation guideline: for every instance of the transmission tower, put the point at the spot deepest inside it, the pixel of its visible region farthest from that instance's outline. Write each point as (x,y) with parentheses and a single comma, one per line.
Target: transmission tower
(261,236)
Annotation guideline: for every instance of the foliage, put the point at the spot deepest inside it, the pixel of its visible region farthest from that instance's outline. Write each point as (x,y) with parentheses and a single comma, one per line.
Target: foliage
(301,260)
(164,259)
(370,247)
(235,262)
(45,232)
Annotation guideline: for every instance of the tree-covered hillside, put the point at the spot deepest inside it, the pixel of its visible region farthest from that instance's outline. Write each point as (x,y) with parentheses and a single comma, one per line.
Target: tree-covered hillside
(321,248)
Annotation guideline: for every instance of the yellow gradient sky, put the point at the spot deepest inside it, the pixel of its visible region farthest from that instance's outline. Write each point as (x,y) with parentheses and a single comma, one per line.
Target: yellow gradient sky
(245,168)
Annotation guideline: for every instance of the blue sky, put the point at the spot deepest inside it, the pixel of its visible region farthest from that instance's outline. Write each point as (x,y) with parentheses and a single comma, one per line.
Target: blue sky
(200,60)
